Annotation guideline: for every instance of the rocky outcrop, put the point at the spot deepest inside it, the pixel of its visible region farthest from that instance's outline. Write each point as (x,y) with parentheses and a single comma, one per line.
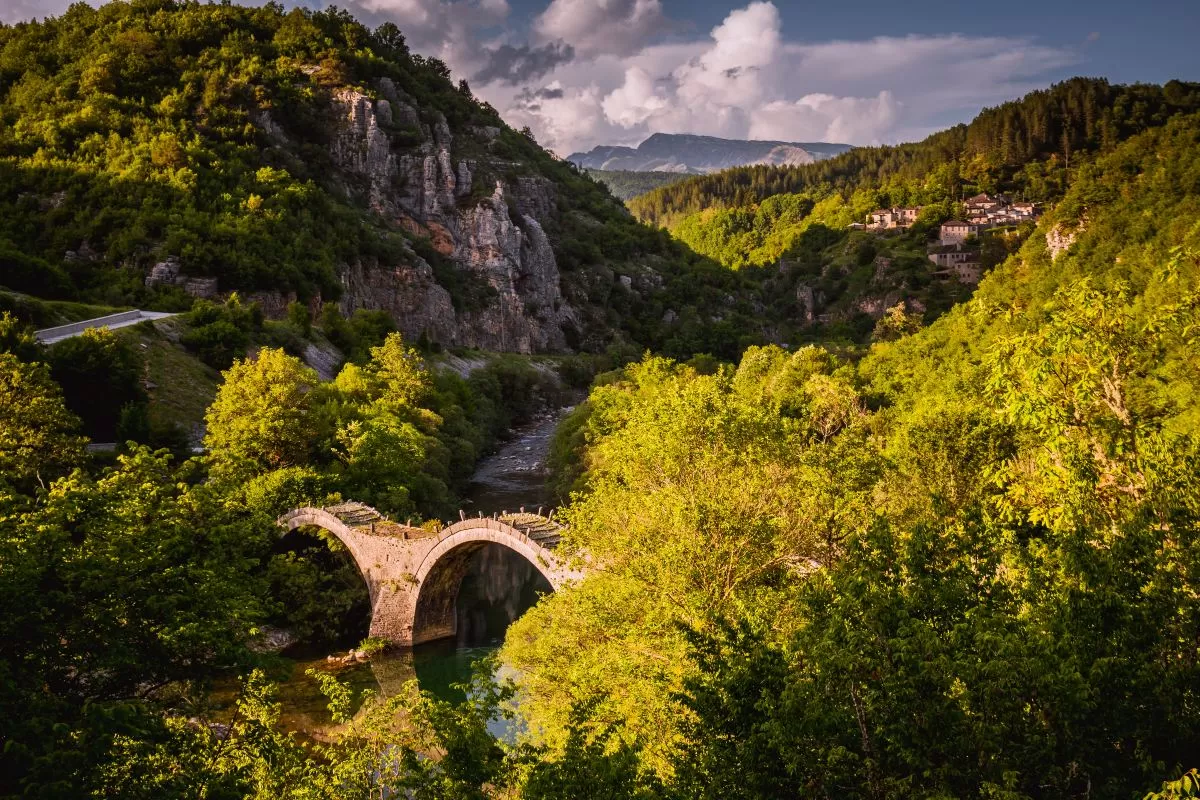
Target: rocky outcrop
(406,291)
(806,299)
(1059,238)
(496,233)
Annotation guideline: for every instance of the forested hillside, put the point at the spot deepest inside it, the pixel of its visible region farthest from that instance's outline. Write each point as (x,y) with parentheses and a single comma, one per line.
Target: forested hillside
(1066,121)
(821,278)
(625,184)
(957,565)
(155,151)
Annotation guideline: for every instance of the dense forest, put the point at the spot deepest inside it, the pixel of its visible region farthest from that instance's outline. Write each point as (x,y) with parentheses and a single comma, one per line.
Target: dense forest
(626,184)
(789,229)
(957,558)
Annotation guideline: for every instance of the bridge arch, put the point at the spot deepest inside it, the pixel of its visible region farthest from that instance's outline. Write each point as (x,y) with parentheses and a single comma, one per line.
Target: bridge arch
(328,521)
(413,575)
(440,574)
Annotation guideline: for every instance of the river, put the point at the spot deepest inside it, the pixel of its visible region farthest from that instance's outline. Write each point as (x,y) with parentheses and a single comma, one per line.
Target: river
(499,586)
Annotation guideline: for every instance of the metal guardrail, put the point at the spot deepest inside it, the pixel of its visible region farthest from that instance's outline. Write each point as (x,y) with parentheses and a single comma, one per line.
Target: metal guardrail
(118,320)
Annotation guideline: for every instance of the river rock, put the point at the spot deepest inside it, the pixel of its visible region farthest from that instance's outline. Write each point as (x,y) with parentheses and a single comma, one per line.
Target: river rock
(272,640)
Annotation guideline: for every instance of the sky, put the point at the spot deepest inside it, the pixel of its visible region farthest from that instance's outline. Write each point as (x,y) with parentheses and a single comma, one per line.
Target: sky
(582,73)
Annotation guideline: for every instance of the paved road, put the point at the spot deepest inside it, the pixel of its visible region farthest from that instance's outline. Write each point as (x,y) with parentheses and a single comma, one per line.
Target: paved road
(112,321)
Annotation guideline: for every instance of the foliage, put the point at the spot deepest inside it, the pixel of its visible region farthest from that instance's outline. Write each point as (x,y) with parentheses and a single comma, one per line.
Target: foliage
(100,375)
(148,125)
(999,518)
(261,418)
(388,433)
(318,589)
(357,335)
(219,333)
(695,503)
(17,338)
(115,590)
(38,435)
(1187,786)
(627,184)
(895,323)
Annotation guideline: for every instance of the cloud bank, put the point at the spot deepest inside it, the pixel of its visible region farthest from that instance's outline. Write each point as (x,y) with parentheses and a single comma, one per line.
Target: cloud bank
(746,80)
(588,72)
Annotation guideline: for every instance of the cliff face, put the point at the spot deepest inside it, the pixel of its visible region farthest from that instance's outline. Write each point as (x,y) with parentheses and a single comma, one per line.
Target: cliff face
(490,228)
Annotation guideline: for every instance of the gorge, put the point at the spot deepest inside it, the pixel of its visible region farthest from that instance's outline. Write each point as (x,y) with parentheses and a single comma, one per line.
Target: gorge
(836,512)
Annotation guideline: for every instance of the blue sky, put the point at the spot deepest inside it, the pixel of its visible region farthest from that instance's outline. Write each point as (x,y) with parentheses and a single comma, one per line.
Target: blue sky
(587,72)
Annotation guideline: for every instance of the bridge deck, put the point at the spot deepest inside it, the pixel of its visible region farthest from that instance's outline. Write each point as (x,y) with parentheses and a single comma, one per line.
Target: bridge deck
(544,531)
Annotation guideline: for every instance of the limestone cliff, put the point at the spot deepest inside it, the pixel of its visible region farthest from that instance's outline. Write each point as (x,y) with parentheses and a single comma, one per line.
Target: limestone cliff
(494,233)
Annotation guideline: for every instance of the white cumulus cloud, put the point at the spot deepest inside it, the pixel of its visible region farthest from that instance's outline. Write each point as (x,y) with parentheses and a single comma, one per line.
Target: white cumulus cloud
(746,80)
(593,27)
(826,118)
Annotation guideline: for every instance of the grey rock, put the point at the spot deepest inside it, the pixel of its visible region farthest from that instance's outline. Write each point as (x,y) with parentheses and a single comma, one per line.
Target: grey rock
(383,112)
(164,272)
(205,288)
(501,239)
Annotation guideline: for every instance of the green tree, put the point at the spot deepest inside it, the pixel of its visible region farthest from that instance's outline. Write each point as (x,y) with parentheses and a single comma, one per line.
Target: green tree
(17,338)
(100,374)
(38,435)
(400,373)
(691,510)
(262,417)
(119,593)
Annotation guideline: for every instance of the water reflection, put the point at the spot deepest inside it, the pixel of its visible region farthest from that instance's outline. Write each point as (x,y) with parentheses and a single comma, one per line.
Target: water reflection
(500,585)
(498,588)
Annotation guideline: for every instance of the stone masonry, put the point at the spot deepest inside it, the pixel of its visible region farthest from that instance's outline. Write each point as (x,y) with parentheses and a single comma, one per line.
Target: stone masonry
(413,575)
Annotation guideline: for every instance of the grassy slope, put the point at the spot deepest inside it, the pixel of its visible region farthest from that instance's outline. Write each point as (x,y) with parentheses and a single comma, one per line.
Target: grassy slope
(181,387)
(49,313)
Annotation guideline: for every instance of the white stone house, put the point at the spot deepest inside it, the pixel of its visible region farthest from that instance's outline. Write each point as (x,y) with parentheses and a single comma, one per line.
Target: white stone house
(956,231)
(896,217)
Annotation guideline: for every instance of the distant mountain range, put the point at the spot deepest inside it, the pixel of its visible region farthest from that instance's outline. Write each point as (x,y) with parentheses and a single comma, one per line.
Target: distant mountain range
(685,153)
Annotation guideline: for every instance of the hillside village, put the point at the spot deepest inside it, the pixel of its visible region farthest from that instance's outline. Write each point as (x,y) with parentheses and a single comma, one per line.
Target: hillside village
(957,252)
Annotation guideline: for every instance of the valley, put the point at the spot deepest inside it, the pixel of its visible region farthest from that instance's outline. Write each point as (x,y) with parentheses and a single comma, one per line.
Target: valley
(402,457)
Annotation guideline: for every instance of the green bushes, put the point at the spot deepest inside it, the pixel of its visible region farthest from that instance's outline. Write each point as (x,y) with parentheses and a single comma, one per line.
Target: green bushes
(25,273)
(386,432)
(218,334)
(357,335)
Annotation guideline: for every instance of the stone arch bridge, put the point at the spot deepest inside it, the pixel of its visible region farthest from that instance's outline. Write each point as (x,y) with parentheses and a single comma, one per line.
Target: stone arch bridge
(413,575)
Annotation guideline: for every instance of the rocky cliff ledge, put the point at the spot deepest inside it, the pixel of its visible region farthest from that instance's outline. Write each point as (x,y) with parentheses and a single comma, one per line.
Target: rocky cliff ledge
(476,214)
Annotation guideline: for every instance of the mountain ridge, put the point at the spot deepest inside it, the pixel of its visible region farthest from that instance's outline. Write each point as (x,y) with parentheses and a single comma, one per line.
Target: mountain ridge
(327,166)
(698,155)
